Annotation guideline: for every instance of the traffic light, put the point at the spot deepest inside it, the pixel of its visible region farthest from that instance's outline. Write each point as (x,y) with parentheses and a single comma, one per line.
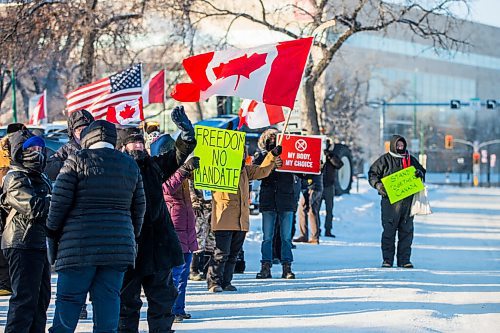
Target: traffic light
(387,146)
(455,104)
(491,104)
(448,141)
(476,158)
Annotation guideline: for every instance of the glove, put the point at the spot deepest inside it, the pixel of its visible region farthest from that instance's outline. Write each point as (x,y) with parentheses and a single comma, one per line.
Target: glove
(183,123)
(381,189)
(198,213)
(277,151)
(419,174)
(191,164)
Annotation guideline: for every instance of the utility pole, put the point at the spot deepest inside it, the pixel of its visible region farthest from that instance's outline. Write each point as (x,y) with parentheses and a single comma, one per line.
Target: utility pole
(415,104)
(476,146)
(14,104)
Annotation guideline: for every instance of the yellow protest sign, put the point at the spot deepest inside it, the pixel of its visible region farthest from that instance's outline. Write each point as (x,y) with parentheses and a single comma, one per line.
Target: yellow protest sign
(221,155)
(402,184)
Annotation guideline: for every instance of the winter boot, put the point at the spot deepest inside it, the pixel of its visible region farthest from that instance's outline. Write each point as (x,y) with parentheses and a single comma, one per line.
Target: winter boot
(204,263)
(194,270)
(287,271)
(386,264)
(240,266)
(265,271)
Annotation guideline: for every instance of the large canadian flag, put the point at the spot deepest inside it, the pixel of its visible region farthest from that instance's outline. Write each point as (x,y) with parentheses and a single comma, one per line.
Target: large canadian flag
(126,112)
(153,90)
(39,112)
(269,73)
(258,115)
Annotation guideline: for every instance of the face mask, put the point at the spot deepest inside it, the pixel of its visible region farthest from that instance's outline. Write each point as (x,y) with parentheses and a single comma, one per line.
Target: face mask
(34,160)
(270,145)
(400,151)
(138,155)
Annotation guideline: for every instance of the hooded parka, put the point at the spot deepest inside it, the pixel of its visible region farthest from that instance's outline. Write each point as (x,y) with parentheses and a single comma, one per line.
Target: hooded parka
(55,162)
(98,204)
(26,197)
(396,216)
(231,211)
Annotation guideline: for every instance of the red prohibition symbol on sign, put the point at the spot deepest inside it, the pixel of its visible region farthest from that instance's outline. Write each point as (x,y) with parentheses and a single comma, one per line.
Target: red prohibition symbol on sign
(300,145)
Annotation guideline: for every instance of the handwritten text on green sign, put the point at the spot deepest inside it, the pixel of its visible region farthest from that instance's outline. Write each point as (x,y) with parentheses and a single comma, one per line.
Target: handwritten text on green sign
(221,154)
(402,184)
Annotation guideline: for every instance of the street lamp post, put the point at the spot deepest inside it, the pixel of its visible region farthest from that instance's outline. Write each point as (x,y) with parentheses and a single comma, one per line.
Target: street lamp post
(415,104)
(381,105)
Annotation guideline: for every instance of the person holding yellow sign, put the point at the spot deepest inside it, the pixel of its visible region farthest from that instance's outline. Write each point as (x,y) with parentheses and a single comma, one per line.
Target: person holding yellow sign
(395,212)
(230,222)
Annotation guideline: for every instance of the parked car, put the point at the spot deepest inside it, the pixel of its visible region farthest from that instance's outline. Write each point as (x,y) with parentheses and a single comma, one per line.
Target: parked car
(55,135)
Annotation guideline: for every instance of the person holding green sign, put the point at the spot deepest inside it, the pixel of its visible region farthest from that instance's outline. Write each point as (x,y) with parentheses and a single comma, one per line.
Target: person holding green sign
(396,216)
(230,222)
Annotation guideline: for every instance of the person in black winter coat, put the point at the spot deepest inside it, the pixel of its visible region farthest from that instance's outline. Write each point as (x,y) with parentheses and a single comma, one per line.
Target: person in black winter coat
(96,213)
(332,164)
(395,217)
(26,196)
(276,203)
(5,159)
(159,247)
(77,121)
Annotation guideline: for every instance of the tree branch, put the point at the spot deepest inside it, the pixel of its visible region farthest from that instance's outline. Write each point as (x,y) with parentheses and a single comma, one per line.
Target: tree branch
(118,18)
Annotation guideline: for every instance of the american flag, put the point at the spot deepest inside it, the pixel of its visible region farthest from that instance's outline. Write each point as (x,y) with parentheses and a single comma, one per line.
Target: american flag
(97,96)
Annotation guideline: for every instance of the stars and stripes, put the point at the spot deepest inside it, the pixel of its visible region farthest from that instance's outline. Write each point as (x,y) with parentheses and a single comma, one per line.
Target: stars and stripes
(97,96)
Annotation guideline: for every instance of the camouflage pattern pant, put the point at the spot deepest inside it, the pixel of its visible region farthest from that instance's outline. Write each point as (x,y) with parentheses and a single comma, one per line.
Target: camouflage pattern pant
(204,234)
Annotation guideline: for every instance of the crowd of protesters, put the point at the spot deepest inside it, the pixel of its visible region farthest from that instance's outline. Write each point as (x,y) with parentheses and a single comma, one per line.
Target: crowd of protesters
(115,211)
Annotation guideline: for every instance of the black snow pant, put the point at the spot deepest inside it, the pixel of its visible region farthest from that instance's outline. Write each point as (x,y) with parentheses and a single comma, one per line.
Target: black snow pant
(30,280)
(396,218)
(4,273)
(227,246)
(160,293)
(328,196)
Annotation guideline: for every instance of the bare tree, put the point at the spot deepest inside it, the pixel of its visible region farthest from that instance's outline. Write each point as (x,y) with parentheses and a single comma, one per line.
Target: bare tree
(56,45)
(435,23)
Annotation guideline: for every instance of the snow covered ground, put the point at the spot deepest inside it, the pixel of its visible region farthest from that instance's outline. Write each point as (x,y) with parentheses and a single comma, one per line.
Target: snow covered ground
(340,286)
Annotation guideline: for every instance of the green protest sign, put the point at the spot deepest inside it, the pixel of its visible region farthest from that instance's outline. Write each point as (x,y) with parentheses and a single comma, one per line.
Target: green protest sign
(221,154)
(402,184)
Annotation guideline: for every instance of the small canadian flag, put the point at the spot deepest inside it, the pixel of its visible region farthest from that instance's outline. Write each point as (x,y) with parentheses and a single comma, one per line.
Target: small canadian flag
(269,73)
(39,112)
(126,112)
(258,115)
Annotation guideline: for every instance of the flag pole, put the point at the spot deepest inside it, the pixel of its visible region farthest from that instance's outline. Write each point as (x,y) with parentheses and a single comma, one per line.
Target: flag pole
(14,103)
(164,100)
(285,127)
(46,119)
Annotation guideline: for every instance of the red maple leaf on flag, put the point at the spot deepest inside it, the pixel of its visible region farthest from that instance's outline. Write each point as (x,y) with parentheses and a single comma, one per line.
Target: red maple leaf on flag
(242,66)
(128,112)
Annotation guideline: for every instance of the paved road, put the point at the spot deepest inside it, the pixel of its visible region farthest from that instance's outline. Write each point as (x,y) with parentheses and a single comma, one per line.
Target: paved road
(340,287)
